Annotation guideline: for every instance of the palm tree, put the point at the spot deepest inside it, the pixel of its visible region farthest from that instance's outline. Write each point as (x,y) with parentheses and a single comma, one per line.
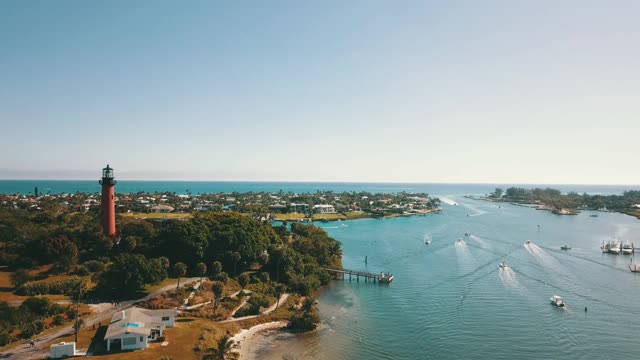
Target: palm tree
(308,304)
(180,270)
(224,351)
(280,289)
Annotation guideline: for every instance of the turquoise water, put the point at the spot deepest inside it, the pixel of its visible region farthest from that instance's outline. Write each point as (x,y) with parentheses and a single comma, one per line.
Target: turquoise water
(451,301)
(199,187)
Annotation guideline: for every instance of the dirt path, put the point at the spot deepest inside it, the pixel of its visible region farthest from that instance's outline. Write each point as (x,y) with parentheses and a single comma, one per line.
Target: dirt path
(269,310)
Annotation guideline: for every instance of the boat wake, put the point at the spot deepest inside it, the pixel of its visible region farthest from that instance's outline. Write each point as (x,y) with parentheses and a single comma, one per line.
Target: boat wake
(448,201)
(479,240)
(509,280)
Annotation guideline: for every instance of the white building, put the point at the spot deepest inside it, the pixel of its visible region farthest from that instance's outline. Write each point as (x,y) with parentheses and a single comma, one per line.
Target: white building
(134,328)
(324,209)
(62,350)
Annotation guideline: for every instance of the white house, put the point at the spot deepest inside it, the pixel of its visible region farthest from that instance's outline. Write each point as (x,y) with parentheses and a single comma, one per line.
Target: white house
(324,209)
(134,328)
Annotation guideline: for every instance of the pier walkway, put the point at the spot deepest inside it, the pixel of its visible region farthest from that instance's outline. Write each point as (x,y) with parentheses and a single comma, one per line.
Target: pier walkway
(376,277)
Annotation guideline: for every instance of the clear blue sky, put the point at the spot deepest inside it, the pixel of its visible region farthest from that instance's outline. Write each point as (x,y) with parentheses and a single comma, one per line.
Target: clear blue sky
(447,91)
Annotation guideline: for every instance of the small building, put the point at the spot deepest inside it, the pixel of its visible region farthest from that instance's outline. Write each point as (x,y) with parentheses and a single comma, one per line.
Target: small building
(134,328)
(62,350)
(162,208)
(324,209)
(299,208)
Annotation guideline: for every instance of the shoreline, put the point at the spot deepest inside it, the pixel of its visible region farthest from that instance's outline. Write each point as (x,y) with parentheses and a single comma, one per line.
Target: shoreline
(363,216)
(537,206)
(246,338)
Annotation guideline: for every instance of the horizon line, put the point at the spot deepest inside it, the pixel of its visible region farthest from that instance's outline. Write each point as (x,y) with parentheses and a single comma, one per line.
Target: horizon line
(344,182)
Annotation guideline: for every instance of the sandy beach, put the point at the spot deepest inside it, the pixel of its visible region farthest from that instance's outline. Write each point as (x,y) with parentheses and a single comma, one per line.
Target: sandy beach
(246,337)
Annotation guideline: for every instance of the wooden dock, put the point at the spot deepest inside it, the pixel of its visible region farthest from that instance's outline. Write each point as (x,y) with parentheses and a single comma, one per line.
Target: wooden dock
(376,277)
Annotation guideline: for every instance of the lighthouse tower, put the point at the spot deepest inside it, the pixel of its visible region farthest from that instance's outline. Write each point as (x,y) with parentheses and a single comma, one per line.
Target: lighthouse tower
(108,207)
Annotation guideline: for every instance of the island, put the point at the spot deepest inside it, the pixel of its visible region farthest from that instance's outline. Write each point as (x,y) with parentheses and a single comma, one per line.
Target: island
(566,204)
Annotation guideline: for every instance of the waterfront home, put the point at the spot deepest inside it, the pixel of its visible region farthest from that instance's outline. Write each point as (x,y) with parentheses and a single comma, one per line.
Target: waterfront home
(162,208)
(324,209)
(299,208)
(134,328)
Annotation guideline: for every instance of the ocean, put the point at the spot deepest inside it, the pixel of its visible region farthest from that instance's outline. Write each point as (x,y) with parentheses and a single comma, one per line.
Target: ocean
(199,187)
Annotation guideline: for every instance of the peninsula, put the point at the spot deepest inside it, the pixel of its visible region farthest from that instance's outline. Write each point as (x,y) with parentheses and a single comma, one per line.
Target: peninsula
(566,204)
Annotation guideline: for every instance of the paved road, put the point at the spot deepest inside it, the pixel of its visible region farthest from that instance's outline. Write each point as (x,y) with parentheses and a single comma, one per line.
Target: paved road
(24,352)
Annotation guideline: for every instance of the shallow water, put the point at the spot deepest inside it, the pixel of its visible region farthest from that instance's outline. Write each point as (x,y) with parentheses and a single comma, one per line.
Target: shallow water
(451,301)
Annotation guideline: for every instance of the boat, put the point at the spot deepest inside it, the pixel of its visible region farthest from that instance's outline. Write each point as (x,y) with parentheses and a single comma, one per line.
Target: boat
(385,278)
(634,268)
(557,301)
(502,265)
(344,225)
(528,242)
(460,241)
(627,248)
(593,215)
(324,220)
(565,247)
(614,247)
(427,242)
(467,234)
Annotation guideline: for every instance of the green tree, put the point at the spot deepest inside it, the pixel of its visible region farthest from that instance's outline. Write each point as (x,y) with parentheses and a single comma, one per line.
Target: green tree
(183,241)
(235,257)
(128,273)
(165,262)
(217,288)
(243,280)
(265,279)
(20,277)
(180,269)
(202,269)
(68,258)
(216,268)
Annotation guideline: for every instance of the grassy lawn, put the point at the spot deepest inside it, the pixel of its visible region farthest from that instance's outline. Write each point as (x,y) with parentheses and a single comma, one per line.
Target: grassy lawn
(166,282)
(157,215)
(288,216)
(356,215)
(39,274)
(328,217)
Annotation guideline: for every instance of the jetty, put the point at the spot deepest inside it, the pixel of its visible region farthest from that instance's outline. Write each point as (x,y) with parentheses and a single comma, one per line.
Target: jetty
(383,277)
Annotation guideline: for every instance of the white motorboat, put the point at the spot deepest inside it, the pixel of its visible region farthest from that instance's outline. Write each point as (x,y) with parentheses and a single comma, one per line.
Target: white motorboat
(627,248)
(385,277)
(614,247)
(467,234)
(565,247)
(528,242)
(460,241)
(557,301)
(502,265)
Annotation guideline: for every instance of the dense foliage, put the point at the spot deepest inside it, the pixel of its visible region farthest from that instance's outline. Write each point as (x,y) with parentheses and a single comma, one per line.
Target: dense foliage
(146,250)
(571,200)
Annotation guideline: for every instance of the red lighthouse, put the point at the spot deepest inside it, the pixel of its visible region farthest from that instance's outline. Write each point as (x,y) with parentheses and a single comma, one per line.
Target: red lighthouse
(108,216)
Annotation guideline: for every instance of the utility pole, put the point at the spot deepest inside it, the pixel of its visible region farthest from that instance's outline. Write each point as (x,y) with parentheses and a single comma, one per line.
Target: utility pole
(78,313)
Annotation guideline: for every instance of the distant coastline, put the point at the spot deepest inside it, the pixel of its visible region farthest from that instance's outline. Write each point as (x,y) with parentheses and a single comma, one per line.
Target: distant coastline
(571,203)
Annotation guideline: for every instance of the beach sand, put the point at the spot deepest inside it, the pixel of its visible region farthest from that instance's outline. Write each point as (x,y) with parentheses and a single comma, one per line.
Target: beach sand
(246,337)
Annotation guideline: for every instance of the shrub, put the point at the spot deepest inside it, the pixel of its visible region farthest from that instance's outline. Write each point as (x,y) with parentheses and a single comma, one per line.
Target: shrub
(94,265)
(5,337)
(67,286)
(83,271)
(57,320)
(32,328)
